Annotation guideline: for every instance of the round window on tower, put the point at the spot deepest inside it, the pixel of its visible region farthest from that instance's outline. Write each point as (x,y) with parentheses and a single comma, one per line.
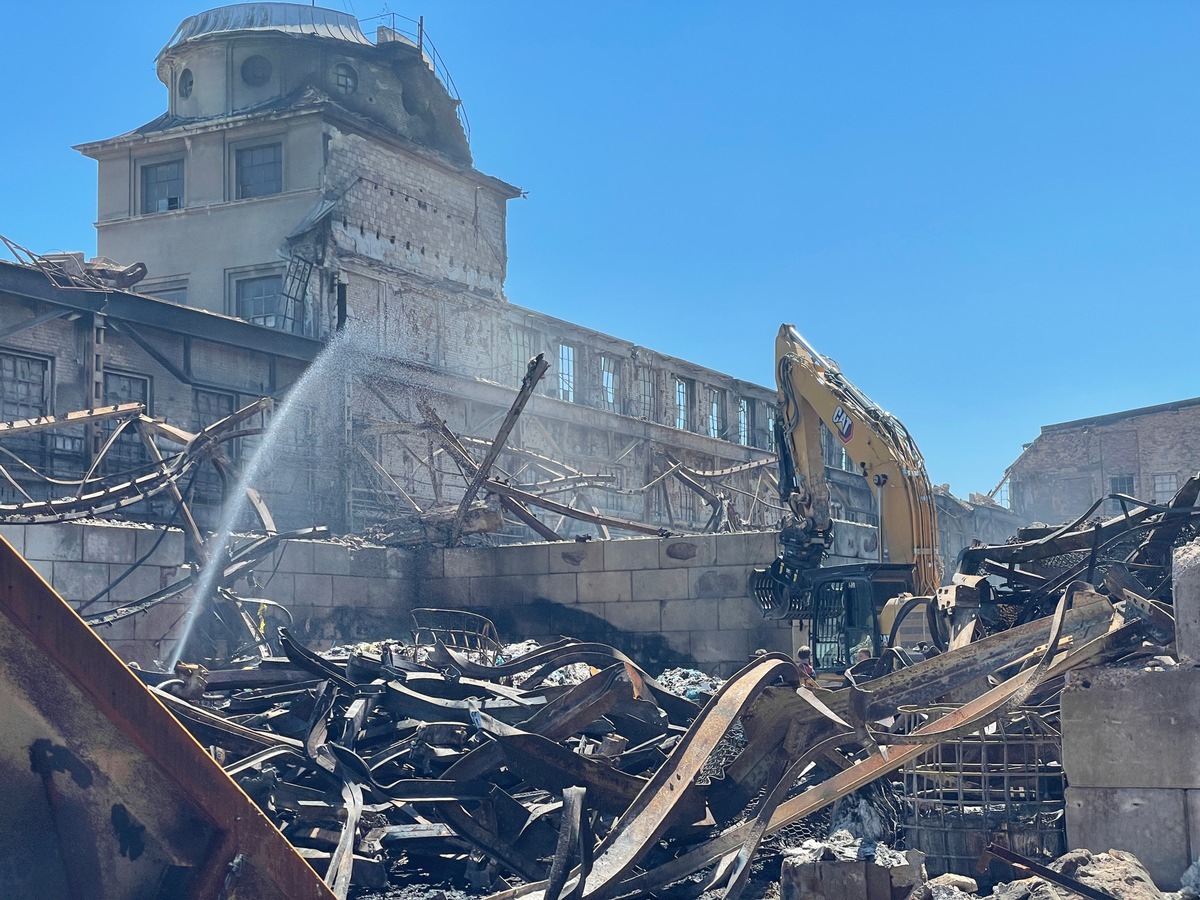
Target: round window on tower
(185,83)
(256,70)
(345,79)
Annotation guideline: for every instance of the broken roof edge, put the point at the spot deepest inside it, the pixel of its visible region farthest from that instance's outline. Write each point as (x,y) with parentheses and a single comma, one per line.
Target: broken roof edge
(31,283)
(1109,418)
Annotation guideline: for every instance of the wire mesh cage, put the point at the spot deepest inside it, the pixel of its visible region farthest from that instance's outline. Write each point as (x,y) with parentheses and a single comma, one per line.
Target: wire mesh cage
(1002,784)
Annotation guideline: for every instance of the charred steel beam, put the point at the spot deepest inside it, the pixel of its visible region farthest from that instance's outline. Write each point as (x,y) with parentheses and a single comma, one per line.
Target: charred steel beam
(533,374)
(80,417)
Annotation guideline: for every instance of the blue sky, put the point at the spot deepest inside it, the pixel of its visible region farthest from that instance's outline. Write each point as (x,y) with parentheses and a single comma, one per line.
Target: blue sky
(988,213)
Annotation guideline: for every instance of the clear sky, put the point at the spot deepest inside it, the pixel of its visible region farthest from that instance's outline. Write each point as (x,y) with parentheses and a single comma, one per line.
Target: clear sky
(988,213)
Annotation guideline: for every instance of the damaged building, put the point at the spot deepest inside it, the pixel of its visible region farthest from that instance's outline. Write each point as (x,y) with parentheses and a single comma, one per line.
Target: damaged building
(192,710)
(305,178)
(1145,453)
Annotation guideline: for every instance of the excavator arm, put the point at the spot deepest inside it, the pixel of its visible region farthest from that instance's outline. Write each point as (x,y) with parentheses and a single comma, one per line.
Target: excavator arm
(812,389)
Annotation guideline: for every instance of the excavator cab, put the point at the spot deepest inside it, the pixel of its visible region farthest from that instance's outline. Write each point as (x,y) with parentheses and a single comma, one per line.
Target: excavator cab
(841,610)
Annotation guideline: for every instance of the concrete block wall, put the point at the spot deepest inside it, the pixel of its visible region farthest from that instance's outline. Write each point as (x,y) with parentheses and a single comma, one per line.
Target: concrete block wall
(334,592)
(665,601)
(1131,755)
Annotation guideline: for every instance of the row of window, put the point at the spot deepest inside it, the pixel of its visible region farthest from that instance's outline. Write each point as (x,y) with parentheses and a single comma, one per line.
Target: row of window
(1165,486)
(257,71)
(704,412)
(26,391)
(258,172)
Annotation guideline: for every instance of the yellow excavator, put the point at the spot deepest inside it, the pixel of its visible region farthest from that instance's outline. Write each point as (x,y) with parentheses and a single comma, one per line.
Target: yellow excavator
(847,609)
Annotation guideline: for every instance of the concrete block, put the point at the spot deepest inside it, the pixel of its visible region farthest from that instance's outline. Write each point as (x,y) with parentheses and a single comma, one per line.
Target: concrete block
(425,562)
(660,584)
(724,582)
(107,544)
(679,641)
(561,588)
(713,646)
(468,562)
(1132,728)
(169,551)
(689,615)
(747,548)
(295,557)
(635,615)
(453,593)
(15,535)
(164,622)
(500,590)
(1185,574)
(523,559)
(735,613)
(369,562)
(383,593)
(330,559)
(834,879)
(1150,823)
(79,581)
(694,550)
(315,590)
(347,590)
(632,553)
(43,567)
(577,556)
(141,582)
(281,587)
(54,542)
(600,586)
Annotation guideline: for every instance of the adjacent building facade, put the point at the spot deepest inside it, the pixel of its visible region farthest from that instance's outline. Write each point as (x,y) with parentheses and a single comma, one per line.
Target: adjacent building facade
(1145,453)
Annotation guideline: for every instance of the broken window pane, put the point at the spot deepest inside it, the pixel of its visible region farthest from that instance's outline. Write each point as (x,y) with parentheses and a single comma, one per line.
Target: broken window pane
(162,187)
(1119,484)
(684,388)
(716,412)
(1165,487)
(24,394)
(128,455)
(608,383)
(566,373)
(522,351)
(260,300)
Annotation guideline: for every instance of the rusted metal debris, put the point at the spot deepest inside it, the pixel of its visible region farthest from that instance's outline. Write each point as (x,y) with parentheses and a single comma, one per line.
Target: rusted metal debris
(105,794)
(386,764)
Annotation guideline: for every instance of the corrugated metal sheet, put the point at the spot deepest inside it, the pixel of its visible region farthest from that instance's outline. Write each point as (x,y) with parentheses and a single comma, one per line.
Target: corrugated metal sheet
(288,18)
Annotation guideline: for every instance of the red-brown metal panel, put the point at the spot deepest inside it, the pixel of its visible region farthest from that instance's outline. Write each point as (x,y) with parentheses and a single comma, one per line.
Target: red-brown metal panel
(105,794)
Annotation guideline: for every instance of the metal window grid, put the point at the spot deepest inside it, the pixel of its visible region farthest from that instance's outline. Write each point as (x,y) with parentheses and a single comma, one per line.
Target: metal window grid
(259,171)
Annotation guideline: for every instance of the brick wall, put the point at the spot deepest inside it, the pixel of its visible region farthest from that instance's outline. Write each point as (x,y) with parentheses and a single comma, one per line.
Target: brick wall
(1071,465)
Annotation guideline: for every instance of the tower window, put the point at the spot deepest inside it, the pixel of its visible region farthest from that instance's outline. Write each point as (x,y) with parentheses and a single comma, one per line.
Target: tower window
(162,186)
(345,78)
(256,70)
(259,171)
(186,81)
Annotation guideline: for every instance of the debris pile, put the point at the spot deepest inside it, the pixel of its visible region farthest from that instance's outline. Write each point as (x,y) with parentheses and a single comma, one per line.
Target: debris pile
(385,766)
